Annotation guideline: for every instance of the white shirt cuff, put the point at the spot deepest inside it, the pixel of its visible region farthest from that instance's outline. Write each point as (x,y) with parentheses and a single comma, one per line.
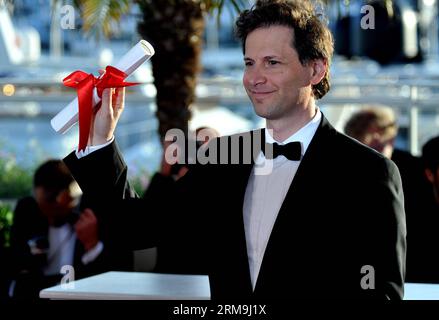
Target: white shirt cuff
(93,253)
(90,149)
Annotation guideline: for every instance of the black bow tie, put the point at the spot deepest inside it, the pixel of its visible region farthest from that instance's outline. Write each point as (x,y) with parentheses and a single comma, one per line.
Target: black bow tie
(292,151)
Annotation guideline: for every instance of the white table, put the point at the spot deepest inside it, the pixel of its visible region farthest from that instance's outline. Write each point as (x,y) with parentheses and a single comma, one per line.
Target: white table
(156,286)
(421,291)
(133,286)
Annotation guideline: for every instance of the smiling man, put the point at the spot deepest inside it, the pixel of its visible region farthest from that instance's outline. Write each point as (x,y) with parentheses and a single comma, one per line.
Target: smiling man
(326,222)
(279,86)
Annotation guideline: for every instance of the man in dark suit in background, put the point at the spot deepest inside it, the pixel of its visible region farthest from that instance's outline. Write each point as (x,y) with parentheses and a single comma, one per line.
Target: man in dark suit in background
(313,214)
(49,233)
(423,237)
(376,127)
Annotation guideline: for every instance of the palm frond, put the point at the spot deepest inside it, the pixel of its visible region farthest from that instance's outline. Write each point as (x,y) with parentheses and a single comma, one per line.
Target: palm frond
(102,15)
(239,5)
(217,5)
(6,3)
(220,11)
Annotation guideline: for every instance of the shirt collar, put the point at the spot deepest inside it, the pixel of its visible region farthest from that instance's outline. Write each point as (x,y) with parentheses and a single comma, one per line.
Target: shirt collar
(304,135)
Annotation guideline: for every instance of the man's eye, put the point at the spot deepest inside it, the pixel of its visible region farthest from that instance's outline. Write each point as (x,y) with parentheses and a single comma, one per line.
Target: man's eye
(248,63)
(273,62)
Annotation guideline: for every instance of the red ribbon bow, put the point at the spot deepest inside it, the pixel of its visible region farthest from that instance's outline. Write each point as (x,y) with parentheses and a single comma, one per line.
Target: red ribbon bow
(85,84)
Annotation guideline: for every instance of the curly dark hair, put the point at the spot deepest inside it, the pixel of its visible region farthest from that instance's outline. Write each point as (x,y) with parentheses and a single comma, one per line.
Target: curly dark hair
(312,38)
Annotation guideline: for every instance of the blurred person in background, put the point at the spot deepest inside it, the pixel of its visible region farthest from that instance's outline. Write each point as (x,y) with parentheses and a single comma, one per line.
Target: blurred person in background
(430,159)
(424,265)
(51,230)
(376,127)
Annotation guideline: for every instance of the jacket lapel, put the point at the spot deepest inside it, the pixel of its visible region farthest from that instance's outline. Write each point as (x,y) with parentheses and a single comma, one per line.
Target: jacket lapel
(258,140)
(240,177)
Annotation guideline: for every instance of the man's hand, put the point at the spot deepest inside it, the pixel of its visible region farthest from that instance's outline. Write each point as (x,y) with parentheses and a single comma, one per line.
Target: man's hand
(166,168)
(105,118)
(87,229)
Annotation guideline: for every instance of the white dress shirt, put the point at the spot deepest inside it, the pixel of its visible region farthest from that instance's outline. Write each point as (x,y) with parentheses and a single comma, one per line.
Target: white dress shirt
(265,194)
(90,149)
(62,241)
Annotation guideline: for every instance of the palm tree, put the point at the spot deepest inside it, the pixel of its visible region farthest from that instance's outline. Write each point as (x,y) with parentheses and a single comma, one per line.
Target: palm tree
(175,29)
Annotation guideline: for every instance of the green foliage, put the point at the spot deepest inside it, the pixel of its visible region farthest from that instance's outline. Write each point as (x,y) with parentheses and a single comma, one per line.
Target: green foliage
(15,181)
(104,15)
(138,185)
(6,216)
(138,177)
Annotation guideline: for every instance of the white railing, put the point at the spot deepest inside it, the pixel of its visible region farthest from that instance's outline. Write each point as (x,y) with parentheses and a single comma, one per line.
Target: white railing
(412,96)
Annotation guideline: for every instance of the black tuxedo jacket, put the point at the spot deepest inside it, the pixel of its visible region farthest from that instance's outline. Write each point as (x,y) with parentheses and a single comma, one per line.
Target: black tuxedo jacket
(340,232)
(422,216)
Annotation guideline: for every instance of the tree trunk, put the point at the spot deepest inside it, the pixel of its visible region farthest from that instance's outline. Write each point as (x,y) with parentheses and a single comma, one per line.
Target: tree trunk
(175,29)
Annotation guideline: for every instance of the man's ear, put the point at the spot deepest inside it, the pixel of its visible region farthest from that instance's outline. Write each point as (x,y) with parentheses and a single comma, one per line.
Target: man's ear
(429,175)
(319,67)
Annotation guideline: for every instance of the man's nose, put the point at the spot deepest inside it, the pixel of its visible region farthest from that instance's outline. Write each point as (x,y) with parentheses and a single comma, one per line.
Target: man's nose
(256,76)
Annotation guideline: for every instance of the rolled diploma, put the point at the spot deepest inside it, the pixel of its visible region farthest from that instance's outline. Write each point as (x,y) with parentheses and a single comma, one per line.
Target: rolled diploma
(137,55)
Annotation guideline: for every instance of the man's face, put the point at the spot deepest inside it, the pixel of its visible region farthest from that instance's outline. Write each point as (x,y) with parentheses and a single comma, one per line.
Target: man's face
(275,80)
(56,206)
(376,139)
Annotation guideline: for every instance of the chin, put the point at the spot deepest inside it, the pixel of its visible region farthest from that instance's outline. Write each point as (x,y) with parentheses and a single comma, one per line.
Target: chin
(263,112)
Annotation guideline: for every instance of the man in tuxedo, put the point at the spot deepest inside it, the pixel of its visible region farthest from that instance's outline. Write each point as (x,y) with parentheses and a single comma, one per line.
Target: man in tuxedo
(312,214)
